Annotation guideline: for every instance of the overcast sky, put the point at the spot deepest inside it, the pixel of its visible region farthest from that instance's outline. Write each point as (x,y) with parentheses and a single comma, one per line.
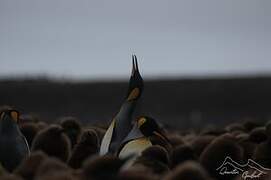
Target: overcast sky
(96,38)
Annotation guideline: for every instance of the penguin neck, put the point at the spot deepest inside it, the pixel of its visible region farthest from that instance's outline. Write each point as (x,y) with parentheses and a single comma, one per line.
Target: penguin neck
(127,108)
(124,117)
(135,133)
(123,121)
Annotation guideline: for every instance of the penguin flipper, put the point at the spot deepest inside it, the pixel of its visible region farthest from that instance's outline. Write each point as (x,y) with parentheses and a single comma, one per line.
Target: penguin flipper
(23,146)
(107,139)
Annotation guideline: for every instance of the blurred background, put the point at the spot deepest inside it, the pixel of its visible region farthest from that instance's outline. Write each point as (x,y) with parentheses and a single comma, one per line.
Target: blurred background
(204,62)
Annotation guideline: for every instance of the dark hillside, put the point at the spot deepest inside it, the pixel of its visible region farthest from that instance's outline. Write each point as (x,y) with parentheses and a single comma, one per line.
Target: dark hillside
(182,103)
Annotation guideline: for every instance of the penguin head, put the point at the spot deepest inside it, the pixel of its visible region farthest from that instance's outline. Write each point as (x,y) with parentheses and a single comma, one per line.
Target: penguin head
(136,83)
(54,131)
(10,115)
(9,119)
(90,137)
(149,127)
(72,128)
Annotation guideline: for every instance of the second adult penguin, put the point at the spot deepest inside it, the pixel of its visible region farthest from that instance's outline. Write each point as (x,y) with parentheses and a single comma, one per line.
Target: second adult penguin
(140,137)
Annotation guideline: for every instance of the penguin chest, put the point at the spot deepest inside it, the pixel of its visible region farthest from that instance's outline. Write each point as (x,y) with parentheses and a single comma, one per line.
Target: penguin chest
(135,147)
(12,152)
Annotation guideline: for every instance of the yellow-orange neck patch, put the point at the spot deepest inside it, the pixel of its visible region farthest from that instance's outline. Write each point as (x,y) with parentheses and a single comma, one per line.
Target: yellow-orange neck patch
(134,94)
(14,115)
(141,121)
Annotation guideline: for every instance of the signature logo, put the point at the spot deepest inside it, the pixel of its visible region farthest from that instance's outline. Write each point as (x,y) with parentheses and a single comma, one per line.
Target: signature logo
(250,170)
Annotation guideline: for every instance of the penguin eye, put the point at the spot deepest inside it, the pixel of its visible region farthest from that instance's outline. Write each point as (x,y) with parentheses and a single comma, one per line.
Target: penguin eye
(134,94)
(141,121)
(14,115)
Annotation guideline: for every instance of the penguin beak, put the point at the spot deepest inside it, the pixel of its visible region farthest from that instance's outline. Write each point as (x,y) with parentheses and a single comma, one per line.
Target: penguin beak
(161,135)
(135,65)
(136,83)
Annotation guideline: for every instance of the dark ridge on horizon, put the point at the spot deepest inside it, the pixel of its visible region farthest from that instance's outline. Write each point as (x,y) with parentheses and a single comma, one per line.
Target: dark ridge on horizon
(46,78)
(175,102)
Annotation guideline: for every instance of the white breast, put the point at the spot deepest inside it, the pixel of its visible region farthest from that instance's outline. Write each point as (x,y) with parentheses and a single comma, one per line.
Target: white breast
(134,148)
(107,139)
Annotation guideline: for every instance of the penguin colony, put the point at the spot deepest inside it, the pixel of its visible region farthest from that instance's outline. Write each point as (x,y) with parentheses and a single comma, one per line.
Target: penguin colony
(128,149)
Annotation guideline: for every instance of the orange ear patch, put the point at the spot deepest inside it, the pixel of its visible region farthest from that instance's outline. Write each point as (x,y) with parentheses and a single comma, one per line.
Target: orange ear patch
(14,115)
(134,94)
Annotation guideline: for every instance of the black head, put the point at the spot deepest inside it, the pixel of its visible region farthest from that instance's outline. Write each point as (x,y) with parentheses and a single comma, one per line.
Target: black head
(10,114)
(72,128)
(136,83)
(54,130)
(149,127)
(90,137)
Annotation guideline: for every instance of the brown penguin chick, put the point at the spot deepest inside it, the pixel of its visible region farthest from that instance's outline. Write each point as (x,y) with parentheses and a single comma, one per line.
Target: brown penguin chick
(53,142)
(250,125)
(87,146)
(29,118)
(72,127)
(200,143)
(156,140)
(213,131)
(235,127)
(100,131)
(29,130)
(102,167)
(28,168)
(258,135)
(262,152)
(157,153)
(42,125)
(237,132)
(5,108)
(155,159)
(189,137)
(180,154)
(189,170)
(51,166)
(136,174)
(175,140)
(247,145)
(10,177)
(242,136)
(59,176)
(216,152)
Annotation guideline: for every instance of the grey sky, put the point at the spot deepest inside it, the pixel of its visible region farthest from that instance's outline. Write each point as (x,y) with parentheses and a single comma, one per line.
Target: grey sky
(95,38)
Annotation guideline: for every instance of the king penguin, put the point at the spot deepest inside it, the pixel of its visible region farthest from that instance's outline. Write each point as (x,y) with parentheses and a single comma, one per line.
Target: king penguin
(121,123)
(13,145)
(139,138)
